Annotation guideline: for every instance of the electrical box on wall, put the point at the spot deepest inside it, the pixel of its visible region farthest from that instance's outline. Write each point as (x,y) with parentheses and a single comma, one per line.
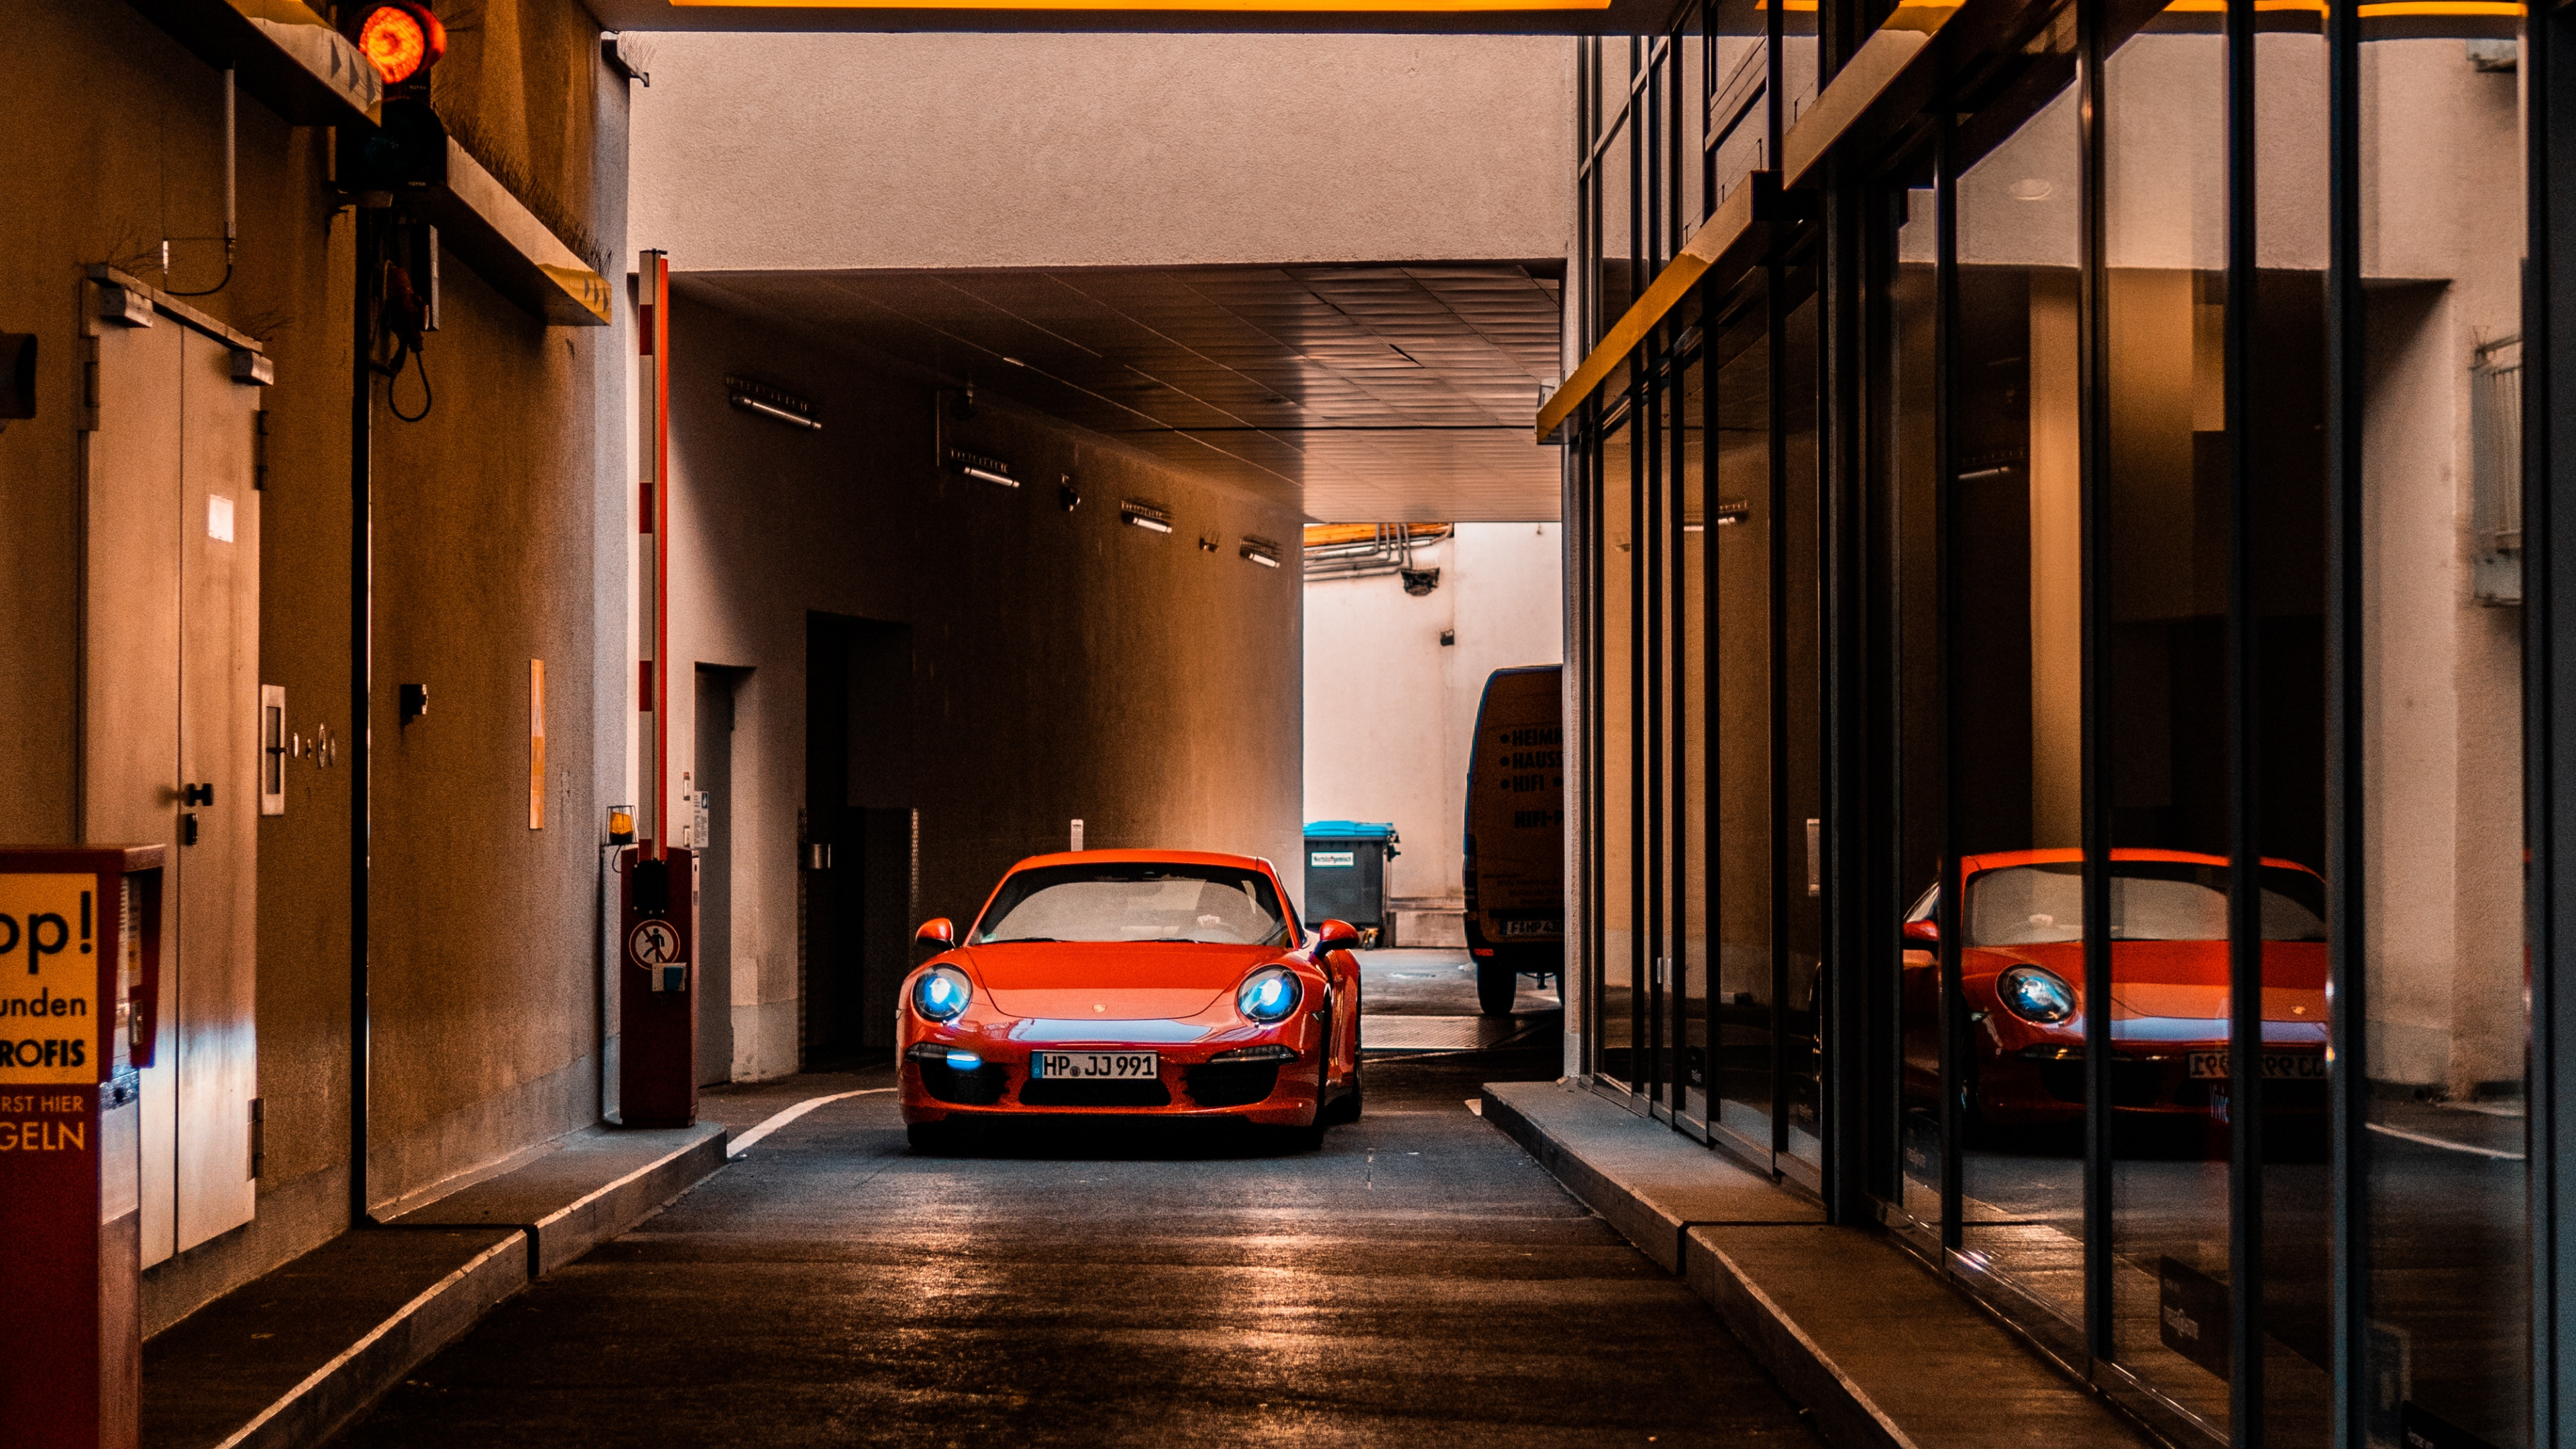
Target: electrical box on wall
(273,750)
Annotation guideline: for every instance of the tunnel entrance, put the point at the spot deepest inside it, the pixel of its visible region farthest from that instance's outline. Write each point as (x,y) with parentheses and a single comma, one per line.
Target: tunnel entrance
(858,893)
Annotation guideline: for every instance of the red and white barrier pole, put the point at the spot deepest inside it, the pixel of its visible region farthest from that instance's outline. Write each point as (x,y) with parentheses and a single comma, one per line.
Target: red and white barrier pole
(658,881)
(652,574)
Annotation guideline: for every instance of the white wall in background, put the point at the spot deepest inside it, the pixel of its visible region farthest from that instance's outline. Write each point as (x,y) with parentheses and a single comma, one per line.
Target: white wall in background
(1389,709)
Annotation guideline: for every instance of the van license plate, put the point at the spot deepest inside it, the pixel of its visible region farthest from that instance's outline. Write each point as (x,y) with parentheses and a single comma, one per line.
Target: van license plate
(1094,1066)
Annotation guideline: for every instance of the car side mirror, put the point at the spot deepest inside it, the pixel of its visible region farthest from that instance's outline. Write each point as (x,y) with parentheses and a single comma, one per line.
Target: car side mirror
(1926,929)
(936,933)
(1336,936)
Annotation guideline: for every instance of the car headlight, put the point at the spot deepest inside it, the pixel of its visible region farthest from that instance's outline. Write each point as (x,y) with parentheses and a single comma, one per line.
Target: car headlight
(1268,995)
(2036,994)
(941,993)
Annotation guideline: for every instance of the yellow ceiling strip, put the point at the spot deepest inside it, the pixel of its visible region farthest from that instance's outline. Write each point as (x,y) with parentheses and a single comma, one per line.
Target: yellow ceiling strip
(2375,10)
(1268,6)
(1733,219)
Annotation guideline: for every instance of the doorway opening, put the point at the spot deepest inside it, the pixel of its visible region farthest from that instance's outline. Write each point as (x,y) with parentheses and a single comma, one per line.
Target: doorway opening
(862,843)
(711,833)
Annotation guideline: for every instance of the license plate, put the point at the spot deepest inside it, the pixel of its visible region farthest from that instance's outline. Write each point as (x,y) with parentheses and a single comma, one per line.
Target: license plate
(1094,1066)
(1546,927)
(2277,1066)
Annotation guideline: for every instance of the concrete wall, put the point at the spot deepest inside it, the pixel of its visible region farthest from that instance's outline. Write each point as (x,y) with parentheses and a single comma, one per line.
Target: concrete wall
(491,518)
(1064,666)
(1391,711)
(891,151)
(2442,673)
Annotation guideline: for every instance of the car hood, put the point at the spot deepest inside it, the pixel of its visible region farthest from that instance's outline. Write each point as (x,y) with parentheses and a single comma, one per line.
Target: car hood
(2180,988)
(1111,980)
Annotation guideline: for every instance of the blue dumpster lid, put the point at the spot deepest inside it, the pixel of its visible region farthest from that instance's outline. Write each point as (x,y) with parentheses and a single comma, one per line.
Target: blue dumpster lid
(1349,830)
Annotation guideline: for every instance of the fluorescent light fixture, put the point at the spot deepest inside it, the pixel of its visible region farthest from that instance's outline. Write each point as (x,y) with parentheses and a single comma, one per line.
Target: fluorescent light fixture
(766,410)
(1147,516)
(775,403)
(982,467)
(1259,550)
(1729,514)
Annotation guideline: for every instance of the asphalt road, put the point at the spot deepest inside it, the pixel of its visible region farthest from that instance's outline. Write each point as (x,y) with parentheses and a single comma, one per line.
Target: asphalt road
(1417,1281)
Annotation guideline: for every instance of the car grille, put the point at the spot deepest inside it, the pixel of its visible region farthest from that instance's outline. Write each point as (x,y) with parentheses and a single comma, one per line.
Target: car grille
(1041,1092)
(1231,1084)
(981,1087)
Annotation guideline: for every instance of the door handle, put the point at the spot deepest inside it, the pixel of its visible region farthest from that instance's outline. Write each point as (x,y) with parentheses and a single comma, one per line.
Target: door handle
(197,794)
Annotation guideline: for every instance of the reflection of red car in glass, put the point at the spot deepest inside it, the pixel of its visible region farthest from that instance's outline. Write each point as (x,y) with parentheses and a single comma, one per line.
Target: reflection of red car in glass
(2021,966)
(1145,983)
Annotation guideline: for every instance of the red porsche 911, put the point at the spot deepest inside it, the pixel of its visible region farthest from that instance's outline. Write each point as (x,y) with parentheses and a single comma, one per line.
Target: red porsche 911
(1134,982)
(2021,973)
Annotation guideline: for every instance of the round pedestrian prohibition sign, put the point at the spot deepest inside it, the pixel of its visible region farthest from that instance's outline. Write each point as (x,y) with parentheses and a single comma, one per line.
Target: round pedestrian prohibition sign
(653,943)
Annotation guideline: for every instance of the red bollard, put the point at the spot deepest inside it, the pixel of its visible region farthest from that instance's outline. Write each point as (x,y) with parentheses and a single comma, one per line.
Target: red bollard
(80,966)
(657,989)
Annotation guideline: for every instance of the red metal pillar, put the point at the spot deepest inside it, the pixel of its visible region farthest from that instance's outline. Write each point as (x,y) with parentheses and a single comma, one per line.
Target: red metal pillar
(80,957)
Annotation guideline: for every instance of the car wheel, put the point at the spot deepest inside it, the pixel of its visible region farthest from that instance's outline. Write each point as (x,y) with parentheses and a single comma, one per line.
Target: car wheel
(1299,1139)
(1496,984)
(1346,1107)
(1972,1117)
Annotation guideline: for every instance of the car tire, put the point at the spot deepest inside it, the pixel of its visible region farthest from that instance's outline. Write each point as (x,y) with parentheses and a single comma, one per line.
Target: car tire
(1496,984)
(1344,1109)
(1299,1139)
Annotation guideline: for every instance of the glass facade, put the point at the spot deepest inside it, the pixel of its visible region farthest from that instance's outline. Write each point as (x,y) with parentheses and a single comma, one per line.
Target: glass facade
(2062,611)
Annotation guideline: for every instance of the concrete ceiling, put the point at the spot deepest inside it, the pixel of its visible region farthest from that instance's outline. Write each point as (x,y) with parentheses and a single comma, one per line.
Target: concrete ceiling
(1352,393)
(1601,17)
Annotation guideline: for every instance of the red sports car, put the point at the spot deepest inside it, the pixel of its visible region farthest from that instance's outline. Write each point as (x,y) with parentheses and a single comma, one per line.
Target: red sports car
(2022,973)
(1135,982)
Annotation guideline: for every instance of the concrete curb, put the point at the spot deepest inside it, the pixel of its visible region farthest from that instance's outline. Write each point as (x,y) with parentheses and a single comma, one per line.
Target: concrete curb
(533,1198)
(538,1216)
(1875,1347)
(333,1395)
(1844,1415)
(581,1225)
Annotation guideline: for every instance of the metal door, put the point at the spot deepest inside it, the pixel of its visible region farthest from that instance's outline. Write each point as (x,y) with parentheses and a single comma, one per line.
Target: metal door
(170,732)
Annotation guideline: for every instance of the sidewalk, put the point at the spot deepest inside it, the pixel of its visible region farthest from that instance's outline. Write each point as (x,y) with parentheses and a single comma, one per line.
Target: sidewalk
(1884,1354)
(290,1358)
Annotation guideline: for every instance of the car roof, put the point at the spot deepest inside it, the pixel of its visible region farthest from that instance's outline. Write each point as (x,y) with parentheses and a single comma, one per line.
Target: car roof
(1148,857)
(1995,860)
(1144,857)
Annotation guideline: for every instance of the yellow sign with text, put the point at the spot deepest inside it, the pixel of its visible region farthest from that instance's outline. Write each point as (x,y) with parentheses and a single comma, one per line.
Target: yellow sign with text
(49,930)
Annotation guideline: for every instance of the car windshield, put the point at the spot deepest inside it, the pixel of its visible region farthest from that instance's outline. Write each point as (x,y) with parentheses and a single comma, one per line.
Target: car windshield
(2151,900)
(1136,901)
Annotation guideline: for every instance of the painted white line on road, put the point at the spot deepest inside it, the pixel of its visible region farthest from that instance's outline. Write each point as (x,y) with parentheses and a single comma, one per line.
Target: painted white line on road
(742,1144)
(2445,1143)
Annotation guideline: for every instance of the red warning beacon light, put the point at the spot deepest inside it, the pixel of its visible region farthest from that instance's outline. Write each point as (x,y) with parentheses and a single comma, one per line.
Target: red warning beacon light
(400,40)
